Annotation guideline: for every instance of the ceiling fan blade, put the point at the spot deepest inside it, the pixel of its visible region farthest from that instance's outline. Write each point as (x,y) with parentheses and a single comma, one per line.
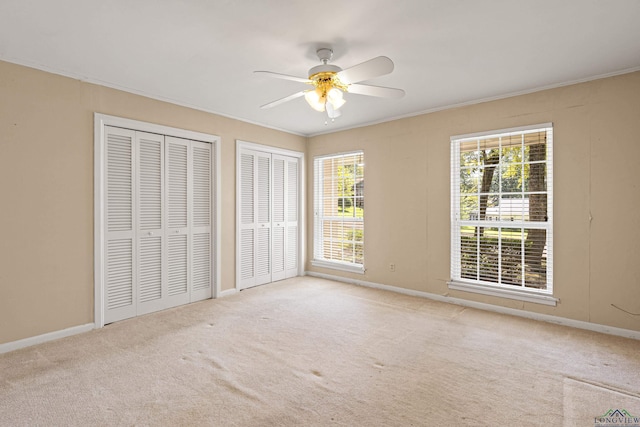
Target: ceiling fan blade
(283,76)
(283,100)
(379,91)
(367,70)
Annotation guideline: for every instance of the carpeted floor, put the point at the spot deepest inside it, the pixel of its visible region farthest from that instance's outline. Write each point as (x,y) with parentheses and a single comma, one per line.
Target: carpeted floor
(312,352)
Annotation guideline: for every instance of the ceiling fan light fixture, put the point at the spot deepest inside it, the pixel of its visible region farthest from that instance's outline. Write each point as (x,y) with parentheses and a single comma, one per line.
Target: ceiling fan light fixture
(328,90)
(315,99)
(335,97)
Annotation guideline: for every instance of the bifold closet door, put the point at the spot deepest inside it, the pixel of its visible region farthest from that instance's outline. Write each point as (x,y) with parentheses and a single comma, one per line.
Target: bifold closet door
(177,263)
(158,233)
(150,236)
(268,217)
(201,221)
(285,217)
(189,216)
(120,298)
(255,218)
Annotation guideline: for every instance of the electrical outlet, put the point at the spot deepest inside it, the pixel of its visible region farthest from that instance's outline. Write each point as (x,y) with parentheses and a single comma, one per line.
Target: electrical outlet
(392,267)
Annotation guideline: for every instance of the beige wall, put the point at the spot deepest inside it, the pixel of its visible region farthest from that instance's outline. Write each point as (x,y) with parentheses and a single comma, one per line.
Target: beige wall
(46,191)
(596,184)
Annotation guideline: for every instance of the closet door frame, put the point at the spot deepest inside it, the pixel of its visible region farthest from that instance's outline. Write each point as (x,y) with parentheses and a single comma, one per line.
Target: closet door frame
(245,145)
(102,120)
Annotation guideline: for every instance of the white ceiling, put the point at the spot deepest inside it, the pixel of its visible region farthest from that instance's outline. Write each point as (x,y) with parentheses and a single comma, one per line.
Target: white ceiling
(201,53)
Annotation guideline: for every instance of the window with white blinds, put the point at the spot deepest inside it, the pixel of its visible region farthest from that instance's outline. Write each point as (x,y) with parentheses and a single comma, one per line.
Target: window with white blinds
(502,213)
(339,211)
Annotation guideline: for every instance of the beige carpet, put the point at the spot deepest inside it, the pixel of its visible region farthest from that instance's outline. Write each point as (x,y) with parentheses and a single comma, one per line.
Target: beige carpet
(311,352)
(581,398)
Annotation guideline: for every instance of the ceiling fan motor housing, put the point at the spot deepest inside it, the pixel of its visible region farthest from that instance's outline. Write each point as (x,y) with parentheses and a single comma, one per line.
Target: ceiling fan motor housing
(324,68)
(324,55)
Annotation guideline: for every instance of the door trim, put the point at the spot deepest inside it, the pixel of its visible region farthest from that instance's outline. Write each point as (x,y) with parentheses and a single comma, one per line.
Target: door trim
(245,145)
(102,120)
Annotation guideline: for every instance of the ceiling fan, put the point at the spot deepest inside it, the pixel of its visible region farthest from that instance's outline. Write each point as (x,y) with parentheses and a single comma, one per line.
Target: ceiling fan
(330,82)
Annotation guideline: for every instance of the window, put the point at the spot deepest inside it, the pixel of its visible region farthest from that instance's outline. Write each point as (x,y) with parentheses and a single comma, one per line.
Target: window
(339,212)
(502,213)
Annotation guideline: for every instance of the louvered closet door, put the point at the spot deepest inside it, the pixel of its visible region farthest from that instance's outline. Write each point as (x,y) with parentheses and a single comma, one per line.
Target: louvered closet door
(119,281)
(255,218)
(279,215)
(292,176)
(150,233)
(158,222)
(177,198)
(268,217)
(285,217)
(247,219)
(263,219)
(201,237)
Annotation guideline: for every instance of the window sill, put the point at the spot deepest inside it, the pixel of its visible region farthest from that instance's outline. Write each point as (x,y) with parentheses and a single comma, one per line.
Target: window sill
(350,268)
(528,296)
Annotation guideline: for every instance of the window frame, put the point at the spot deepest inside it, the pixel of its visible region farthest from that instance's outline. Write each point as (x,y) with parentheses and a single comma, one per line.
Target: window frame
(529,294)
(318,259)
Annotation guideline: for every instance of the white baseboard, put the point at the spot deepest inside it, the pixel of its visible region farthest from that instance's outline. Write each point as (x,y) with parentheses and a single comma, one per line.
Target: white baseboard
(596,327)
(39,339)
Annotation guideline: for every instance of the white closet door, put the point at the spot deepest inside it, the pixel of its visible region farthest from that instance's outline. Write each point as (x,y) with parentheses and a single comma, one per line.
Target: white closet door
(291,188)
(158,214)
(263,217)
(201,243)
(247,219)
(279,213)
(285,217)
(150,233)
(178,184)
(120,260)
(268,186)
(255,218)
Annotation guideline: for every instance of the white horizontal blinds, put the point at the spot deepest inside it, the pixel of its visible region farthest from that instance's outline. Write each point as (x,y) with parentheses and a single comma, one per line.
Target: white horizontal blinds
(150,189)
(501,208)
(339,208)
(278,225)
(201,273)
(177,172)
(291,191)
(119,260)
(263,213)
